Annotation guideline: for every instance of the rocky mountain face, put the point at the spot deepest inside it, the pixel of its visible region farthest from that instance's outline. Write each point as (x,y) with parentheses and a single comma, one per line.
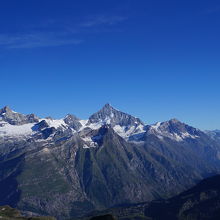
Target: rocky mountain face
(70,167)
(14,118)
(109,115)
(73,122)
(201,202)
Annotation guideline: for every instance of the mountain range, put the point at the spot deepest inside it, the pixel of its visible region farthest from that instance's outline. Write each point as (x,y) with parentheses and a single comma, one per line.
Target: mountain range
(70,167)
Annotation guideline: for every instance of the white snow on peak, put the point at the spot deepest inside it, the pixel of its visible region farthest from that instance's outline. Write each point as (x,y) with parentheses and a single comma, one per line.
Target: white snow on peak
(9,130)
(56,123)
(94,126)
(83,122)
(161,133)
(16,130)
(156,126)
(126,132)
(122,131)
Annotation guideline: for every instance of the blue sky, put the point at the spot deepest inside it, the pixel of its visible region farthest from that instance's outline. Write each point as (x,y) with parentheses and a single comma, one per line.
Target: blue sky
(154,59)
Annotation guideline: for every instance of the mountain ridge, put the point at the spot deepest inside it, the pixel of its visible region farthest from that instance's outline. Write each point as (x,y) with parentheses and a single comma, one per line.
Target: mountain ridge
(123,123)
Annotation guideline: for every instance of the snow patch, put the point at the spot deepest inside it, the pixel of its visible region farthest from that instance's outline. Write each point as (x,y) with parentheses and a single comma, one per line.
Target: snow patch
(88,142)
(16,130)
(56,123)
(83,122)
(161,133)
(126,132)
(156,126)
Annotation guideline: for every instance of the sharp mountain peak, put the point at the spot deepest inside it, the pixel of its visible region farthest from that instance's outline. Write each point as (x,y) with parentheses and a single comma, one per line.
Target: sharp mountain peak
(110,115)
(5,109)
(108,107)
(174,120)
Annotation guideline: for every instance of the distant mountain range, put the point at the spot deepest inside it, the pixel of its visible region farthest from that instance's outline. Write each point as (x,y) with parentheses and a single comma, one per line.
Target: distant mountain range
(70,167)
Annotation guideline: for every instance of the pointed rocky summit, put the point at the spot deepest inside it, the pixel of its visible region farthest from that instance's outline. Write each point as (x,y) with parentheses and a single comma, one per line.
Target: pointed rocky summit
(109,115)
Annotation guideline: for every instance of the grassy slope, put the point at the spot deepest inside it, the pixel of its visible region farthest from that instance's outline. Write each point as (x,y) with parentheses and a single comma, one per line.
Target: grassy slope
(8,213)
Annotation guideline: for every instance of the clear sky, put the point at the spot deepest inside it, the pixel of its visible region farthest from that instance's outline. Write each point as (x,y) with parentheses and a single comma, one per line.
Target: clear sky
(154,59)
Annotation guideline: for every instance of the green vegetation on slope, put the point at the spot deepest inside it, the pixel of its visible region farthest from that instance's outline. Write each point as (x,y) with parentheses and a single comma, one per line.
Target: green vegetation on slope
(8,213)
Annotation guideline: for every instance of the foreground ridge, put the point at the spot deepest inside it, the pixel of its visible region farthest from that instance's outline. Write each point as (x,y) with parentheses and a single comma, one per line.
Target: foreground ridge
(201,202)
(8,213)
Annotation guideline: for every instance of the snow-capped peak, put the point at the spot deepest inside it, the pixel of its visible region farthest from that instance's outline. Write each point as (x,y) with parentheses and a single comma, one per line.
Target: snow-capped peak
(5,109)
(15,118)
(125,125)
(173,129)
(122,123)
(109,115)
